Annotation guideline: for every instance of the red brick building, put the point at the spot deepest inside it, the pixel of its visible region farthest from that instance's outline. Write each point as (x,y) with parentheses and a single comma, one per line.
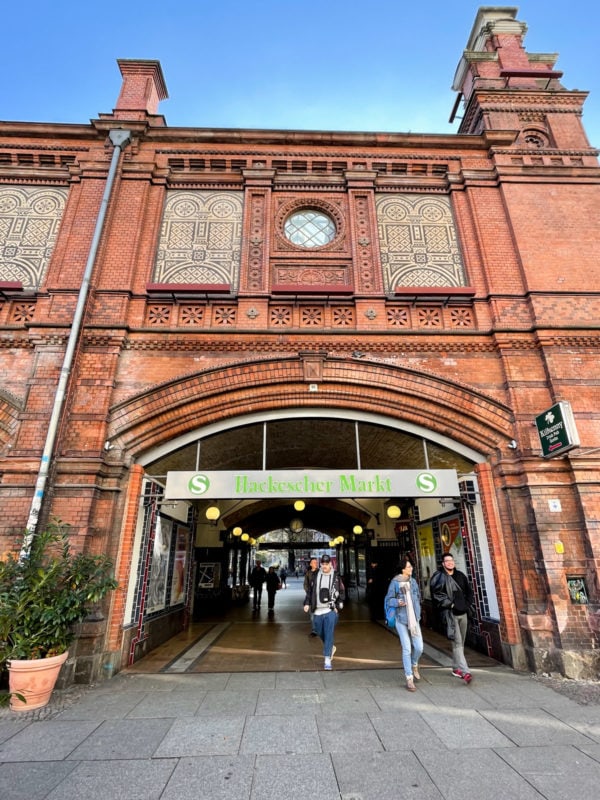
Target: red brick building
(192,301)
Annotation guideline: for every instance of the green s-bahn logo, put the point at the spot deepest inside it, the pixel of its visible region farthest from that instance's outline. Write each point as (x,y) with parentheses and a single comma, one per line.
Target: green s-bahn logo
(198,484)
(426,482)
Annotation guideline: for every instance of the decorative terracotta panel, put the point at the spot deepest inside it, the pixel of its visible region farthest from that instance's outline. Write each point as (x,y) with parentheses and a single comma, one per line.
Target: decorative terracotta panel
(398,317)
(191,315)
(418,244)
(200,238)
(311,317)
(159,315)
(224,315)
(22,312)
(461,318)
(280,316)
(29,222)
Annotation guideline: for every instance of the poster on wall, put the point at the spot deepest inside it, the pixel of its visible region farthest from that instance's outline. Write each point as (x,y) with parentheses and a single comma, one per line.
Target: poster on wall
(427,556)
(159,566)
(209,575)
(453,542)
(180,564)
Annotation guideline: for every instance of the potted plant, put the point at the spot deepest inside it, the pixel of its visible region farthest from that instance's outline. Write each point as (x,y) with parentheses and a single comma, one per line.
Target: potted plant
(42,597)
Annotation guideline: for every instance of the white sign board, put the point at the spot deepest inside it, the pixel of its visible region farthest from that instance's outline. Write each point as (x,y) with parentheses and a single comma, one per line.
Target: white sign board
(272,484)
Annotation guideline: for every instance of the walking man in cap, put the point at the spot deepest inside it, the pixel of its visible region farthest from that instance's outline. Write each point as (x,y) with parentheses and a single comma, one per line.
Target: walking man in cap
(325,598)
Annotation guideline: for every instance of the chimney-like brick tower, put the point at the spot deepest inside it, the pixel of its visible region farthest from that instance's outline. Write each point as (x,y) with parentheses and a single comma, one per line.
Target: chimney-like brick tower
(142,90)
(503,87)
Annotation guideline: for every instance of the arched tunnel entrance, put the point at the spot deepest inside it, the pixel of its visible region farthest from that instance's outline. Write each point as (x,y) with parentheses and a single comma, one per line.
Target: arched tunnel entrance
(196,548)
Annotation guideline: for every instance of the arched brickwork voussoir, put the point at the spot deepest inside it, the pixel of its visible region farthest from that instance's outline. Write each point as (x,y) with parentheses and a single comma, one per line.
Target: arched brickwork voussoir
(189,403)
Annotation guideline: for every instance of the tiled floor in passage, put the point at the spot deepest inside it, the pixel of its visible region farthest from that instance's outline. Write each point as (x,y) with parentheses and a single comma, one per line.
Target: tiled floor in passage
(243,640)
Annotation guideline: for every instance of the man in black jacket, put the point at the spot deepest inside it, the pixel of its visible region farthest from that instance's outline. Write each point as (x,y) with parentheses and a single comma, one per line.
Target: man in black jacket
(453,595)
(324,598)
(257,577)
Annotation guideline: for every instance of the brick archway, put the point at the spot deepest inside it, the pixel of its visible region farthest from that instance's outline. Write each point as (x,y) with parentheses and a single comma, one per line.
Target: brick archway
(172,409)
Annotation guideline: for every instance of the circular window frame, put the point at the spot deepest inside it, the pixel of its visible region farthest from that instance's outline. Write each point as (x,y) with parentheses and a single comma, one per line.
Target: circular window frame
(311,204)
(325,228)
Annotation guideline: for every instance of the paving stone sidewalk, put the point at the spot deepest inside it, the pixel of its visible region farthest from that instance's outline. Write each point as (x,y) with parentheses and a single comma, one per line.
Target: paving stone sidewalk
(340,735)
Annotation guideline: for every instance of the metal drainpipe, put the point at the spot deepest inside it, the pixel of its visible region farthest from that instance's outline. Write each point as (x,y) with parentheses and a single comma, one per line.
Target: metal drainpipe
(120,139)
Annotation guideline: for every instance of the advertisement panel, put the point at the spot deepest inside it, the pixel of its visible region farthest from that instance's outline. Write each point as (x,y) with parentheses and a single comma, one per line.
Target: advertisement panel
(556,429)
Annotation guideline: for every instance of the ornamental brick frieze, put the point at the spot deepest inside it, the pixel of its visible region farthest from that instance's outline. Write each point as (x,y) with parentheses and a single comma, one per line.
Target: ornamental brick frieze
(367,273)
(520,101)
(17,342)
(200,238)
(195,185)
(107,340)
(549,151)
(510,313)
(29,222)
(570,310)
(35,337)
(312,276)
(255,256)
(166,315)
(171,316)
(418,243)
(385,345)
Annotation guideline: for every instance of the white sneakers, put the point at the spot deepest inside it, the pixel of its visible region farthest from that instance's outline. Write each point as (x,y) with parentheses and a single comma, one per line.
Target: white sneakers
(327,664)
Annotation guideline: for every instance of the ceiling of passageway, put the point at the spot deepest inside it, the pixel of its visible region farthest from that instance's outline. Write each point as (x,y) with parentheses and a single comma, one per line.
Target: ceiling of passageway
(302,443)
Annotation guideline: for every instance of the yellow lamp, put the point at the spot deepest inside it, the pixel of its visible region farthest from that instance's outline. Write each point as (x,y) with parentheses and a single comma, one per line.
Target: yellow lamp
(357,529)
(212,513)
(299,505)
(393,512)
(237,531)
(245,537)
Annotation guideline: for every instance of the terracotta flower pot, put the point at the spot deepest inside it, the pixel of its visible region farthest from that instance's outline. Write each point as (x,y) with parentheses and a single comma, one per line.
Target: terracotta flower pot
(34,679)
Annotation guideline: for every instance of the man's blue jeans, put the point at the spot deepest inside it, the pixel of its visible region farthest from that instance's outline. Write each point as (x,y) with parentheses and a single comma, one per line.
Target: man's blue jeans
(324,625)
(412,648)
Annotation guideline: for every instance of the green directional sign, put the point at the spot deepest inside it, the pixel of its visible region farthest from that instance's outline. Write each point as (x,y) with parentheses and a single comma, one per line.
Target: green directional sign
(556,429)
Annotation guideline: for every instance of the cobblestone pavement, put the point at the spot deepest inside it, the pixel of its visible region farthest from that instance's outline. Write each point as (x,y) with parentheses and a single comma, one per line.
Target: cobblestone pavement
(586,693)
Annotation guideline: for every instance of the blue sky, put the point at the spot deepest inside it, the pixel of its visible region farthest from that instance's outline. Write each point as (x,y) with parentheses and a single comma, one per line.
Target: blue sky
(380,65)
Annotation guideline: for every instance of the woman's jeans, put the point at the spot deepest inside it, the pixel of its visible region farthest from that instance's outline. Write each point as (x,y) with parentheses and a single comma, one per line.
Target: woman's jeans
(324,626)
(412,648)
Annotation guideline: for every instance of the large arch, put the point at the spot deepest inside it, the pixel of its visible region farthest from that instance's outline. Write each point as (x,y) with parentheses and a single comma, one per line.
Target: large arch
(147,427)
(164,415)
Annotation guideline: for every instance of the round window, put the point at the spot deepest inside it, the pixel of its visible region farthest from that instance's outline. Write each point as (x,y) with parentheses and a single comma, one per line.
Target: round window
(309,228)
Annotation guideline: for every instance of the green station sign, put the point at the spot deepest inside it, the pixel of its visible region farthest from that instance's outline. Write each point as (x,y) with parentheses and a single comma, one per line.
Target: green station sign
(556,429)
(270,484)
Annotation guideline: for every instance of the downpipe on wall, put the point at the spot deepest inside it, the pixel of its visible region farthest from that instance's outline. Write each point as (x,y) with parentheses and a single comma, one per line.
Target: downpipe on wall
(119,139)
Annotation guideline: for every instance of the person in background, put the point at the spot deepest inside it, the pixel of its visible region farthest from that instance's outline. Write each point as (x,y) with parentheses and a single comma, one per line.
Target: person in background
(325,599)
(257,577)
(309,576)
(453,595)
(376,588)
(272,587)
(404,594)
(283,578)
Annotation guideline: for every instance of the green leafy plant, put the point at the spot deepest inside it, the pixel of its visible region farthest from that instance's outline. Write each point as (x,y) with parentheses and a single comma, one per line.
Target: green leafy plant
(43,596)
